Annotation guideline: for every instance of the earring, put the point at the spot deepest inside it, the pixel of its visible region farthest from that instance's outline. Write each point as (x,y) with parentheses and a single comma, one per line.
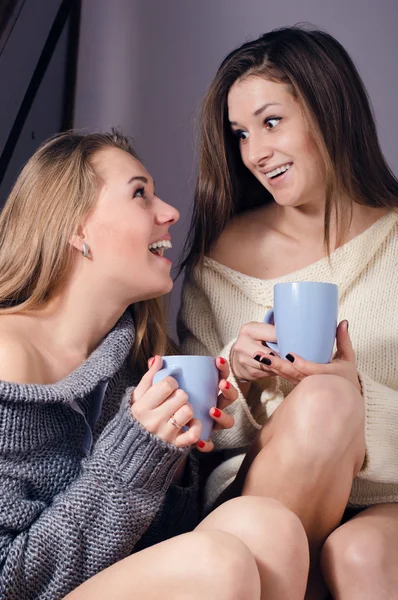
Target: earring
(86,250)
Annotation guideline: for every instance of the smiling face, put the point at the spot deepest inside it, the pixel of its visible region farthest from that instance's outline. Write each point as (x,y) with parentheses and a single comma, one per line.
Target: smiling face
(275,143)
(128,230)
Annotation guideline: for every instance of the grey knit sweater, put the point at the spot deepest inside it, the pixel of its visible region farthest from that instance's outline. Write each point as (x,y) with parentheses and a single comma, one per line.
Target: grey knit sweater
(82,484)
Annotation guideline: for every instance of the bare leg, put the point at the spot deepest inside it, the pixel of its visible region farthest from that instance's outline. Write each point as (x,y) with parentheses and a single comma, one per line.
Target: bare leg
(360,558)
(306,456)
(276,539)
(197,565)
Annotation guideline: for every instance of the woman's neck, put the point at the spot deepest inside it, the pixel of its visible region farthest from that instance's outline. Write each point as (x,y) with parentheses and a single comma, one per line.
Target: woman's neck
(78,317)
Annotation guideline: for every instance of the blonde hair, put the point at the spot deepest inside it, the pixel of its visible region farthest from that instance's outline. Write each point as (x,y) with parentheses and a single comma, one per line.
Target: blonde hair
(55,190)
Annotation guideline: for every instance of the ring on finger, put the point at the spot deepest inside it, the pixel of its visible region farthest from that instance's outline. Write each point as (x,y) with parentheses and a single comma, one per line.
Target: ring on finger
(174,422)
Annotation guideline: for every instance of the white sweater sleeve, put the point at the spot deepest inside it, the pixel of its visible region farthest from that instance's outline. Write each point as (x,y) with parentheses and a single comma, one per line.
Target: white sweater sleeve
(199,335)
(381,431)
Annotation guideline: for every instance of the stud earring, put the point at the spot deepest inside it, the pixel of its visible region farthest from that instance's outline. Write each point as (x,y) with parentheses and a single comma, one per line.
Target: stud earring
(86,250)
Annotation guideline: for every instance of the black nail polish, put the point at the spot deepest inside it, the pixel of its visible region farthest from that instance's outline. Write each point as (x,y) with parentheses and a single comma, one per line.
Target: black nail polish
(266,361)
(272,354)
(257,358)
(290,357)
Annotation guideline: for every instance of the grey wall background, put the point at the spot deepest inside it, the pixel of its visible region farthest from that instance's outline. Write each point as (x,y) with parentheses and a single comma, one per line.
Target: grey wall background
(18,60)
(145,65)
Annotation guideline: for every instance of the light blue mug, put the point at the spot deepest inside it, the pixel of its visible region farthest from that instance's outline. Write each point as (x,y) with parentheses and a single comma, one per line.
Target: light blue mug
(198,376)
(305,317)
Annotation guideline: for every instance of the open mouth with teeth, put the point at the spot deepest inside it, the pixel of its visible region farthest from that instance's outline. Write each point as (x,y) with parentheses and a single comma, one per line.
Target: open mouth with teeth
(158,248)
(278,171)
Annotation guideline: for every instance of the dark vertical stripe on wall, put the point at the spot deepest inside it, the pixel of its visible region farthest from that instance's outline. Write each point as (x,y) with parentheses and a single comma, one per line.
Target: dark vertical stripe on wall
(71,66)
(48,50)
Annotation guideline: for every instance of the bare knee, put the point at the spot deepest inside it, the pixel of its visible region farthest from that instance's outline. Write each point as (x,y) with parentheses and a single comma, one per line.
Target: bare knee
(225,565)
(351,556)
(263,522)
(319,406)
(328,396)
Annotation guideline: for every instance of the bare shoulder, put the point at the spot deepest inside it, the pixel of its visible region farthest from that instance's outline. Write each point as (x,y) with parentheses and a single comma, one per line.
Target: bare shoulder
(240,239)
(19,360)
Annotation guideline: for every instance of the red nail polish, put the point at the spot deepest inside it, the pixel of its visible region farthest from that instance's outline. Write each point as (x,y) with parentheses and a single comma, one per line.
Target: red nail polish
(201,444)
(227,385)
(222,360)
(151,361)
(217,412)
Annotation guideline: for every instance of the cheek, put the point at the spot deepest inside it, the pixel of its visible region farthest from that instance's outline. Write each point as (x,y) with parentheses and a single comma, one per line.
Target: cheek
(315,159)
(115,240)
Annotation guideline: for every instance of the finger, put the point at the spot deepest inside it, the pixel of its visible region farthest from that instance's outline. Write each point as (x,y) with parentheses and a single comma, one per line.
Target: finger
(223,366)
(154,364)
(266,361)
(255,353)
(305,367)
(344,344)
(229,394)
(284,368)
(171,404)
(222,420)
(183,415)
(191,436)
(203,446)
(261,332)
(157,394)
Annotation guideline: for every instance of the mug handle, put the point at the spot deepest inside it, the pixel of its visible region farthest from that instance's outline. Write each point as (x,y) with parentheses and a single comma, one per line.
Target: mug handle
(269,320)
(160,375)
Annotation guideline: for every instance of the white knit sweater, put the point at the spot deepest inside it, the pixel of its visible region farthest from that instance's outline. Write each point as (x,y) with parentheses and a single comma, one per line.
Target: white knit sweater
(215,305)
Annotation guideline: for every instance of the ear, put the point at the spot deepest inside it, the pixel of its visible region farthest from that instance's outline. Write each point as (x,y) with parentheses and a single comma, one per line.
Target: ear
(78,238)
(77,242)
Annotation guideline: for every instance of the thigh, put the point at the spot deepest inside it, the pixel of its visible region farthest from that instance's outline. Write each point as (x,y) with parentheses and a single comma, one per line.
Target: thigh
(194,565)
(362,555)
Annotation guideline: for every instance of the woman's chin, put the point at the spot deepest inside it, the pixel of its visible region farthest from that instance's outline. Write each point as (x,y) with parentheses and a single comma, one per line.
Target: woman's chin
(162,290)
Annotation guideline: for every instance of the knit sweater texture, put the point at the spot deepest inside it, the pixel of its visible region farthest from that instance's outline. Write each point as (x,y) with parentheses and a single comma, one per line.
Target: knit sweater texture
(82,483)
(218,301)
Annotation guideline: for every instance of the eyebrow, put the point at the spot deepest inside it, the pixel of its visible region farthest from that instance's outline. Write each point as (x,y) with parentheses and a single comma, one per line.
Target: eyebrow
(260,110)
(137,178)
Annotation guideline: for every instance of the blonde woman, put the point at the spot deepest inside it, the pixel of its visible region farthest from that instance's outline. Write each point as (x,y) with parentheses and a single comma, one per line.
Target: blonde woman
(95,476)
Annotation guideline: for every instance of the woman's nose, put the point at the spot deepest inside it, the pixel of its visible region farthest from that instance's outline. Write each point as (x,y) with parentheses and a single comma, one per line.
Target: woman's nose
(165,213)
(259,150)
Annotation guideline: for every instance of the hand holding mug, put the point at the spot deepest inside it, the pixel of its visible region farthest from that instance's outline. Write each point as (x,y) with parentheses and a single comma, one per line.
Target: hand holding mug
(187,399)
(250,355)
(154,405)
(295,368)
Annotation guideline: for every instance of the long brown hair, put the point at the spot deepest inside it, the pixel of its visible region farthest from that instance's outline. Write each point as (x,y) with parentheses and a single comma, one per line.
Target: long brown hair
(322,77)
(55,190)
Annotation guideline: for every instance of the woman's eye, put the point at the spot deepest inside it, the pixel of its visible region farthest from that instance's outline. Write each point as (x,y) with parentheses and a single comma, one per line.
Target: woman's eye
(241,135)
(139,193)
(272,122)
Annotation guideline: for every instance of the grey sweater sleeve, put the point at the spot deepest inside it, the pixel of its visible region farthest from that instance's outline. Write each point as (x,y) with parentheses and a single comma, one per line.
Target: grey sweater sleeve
(49,548)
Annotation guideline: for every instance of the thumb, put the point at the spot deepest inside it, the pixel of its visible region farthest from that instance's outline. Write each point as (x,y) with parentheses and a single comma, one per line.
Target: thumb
(154,364)
(344,345)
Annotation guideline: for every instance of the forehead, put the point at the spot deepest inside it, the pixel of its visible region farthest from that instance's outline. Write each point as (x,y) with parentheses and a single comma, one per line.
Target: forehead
(115,165)
(254,92)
